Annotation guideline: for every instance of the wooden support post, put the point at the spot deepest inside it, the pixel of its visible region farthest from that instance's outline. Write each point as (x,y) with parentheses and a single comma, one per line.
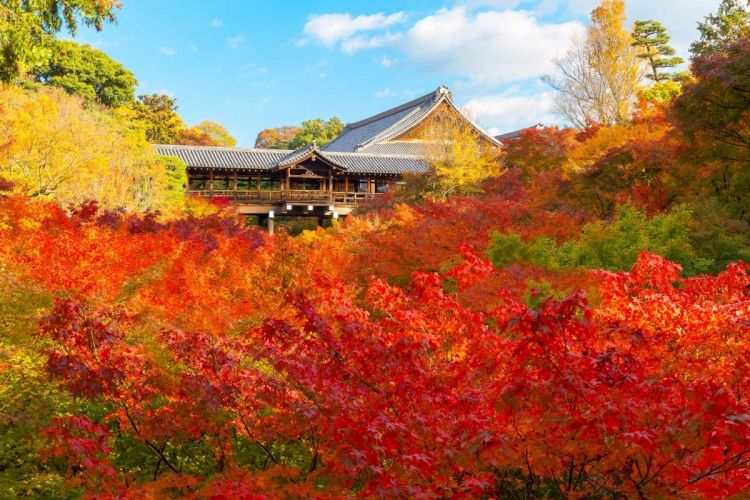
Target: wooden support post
(346,187)
(271,216)
(288,179)
(211,182)
(257,184)
(235,184)
(330,186)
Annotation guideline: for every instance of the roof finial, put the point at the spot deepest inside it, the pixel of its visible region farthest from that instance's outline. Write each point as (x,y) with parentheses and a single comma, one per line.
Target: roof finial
(315,144)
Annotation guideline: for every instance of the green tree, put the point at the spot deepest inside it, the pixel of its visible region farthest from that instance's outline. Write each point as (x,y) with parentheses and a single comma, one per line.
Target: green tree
(615,245)
(27,29)
(730,24)
(652,40)
(318,131)
(88,72)
(159,115)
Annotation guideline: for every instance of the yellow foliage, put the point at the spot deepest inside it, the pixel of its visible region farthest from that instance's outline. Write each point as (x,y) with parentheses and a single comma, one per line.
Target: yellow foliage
(462,162)
(52,146)
(605,138)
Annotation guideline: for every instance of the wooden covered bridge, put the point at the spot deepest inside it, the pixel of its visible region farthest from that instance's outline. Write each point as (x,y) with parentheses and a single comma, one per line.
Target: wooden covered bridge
(360,164)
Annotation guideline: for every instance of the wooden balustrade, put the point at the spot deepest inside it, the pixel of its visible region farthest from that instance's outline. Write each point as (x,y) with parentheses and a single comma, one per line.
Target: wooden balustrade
(284,196)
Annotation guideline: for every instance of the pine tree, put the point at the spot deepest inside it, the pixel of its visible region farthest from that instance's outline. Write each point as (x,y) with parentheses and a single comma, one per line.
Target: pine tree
(652,40)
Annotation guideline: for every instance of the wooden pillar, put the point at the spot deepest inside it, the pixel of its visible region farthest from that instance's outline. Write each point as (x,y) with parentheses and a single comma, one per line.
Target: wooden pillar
(330,186)
(271,216)
(287,183)
(211,182)
(235,180)
(346,187)
(257,184)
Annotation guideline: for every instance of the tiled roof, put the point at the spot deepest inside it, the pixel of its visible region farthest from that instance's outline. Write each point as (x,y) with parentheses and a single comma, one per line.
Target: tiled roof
(402,148)
(372,132)
(216,157)
(359,135)
(296,155)
(368,163)
(268,159)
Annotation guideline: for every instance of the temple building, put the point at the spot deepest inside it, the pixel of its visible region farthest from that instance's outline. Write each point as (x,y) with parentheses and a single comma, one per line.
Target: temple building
(360,164)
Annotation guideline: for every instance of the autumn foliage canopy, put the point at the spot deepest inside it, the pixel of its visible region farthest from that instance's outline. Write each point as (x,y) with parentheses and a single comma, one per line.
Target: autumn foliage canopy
(196,357)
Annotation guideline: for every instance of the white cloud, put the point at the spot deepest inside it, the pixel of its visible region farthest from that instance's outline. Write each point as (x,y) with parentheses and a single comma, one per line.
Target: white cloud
(489,48)
(507,112)
(386,62)
(216,23)
(680,17)
(386,92)
(254,70)
(357,43)
(167,51)
(236,41)
(329,29)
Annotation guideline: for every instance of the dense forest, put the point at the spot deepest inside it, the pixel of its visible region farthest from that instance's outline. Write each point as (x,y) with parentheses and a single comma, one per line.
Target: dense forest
(570,324)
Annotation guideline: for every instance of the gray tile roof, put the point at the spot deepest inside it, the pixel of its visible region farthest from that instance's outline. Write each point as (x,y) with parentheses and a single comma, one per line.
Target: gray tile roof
(368,163)
(401,148)
(375,130)
(216,157)
(359,135)
(296,155)
(269,159)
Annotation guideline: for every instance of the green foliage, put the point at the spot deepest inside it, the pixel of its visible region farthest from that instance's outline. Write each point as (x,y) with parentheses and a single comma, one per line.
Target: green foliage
(652,40)
(88,72)
(159,115)
(27,28)
(730,24)
(177,179)
(662,92)
(615,245)
(317,131)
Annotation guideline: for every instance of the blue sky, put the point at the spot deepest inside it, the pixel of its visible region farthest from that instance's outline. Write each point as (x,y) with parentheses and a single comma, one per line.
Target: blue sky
(251,65)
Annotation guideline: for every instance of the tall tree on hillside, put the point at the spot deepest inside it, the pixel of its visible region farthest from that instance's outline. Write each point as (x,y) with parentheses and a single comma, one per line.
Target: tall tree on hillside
(276,138)
(718,31)
(714,114)
(206,133)
(598,77)
(217,132)
(27,28)
(652,40)
(158,113)
(88,72)
(318,131)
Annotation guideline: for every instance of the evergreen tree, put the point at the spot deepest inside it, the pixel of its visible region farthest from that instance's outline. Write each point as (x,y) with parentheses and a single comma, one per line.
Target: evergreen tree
(652,40)
(87,72)
(730,24)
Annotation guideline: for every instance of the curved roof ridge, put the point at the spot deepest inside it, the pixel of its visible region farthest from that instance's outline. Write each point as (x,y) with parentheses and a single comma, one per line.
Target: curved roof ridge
(396,129)
(388,112)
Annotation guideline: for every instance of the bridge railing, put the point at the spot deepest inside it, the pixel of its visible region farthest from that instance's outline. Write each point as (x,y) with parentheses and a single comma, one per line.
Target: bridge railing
(284,196)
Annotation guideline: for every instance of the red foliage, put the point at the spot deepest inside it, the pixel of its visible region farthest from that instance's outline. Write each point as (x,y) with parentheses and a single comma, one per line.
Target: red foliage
(200,331)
